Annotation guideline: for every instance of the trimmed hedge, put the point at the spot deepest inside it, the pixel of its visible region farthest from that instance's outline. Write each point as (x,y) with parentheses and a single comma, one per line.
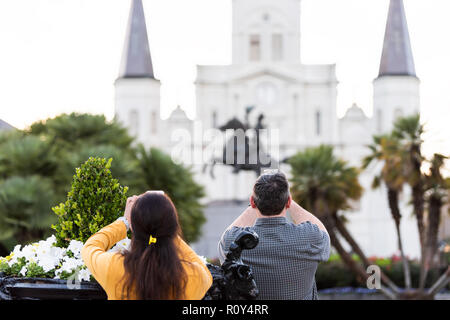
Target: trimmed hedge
(95,200)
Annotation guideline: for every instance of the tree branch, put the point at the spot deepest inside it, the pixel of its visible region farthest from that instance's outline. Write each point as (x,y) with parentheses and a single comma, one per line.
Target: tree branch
(440,283)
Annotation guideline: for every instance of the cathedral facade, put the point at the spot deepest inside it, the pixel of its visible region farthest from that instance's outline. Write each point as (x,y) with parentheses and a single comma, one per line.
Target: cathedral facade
(296,101)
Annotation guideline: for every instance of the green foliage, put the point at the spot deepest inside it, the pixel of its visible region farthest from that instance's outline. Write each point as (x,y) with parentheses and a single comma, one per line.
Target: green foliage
(73,130)
(323,183)
(26,155)
(334,273)
(161,173)
(36,271)
(4,267)
(50,149)
(387,150)
(24,203)
(76,137)
(125,166)
(36,169)
(14,269)
(95,200)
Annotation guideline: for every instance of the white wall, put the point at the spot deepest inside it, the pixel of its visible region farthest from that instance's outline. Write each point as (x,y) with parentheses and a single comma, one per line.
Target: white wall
(394,96)
(140,95)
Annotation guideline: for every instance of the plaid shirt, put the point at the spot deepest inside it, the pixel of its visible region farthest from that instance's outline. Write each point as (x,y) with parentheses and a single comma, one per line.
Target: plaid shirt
(285,261)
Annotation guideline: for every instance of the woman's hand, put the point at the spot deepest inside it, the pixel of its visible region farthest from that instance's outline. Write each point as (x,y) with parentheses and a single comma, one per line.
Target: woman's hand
(128,207)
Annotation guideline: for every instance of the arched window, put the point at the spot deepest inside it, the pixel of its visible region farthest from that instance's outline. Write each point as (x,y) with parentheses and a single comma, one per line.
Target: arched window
(154,122)
(214,119)
(134,122)
(379,121)
(277,47)
(318,123)
(255,47)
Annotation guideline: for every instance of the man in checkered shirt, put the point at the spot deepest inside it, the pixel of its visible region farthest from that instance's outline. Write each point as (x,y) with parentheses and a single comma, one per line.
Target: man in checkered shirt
(285,261)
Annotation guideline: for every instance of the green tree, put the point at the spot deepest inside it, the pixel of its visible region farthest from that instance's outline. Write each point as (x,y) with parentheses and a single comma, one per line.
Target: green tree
(26,166)
(386,150)
(95,200)
(24,214)
(408,131)
(68,131)
(318,176)
(125,166)
(437,189)
(325,185)
(76,137)
(51,148)
(23,155)
(161,173)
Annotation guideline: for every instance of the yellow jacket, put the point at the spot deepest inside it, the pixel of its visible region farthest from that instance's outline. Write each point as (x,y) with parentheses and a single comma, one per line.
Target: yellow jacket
(108,269)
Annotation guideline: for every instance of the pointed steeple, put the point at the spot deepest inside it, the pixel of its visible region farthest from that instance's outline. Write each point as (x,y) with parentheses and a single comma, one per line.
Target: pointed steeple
(397,58)
(136,58)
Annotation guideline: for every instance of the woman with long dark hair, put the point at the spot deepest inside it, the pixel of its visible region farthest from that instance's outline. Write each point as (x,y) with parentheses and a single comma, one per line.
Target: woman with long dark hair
(157,265)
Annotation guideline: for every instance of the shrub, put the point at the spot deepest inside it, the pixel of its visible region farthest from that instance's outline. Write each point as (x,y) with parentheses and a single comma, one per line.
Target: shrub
(95,200)
(334,273)
(24,208)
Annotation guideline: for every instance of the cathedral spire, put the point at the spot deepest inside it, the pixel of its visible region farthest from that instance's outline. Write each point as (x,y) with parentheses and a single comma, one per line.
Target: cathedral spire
(397,58)
(136,58)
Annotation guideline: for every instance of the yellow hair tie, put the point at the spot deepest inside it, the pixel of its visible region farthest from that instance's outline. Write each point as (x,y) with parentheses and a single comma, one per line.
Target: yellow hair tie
(151,240)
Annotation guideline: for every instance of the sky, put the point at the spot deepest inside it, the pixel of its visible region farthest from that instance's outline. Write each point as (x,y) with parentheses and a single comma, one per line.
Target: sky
(61,56)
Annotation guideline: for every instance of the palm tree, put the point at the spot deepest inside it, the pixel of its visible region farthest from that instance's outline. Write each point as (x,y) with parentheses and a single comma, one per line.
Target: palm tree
(24,155)
(385,149)
(24,209)
(326,185)
(437,191)
(408,131)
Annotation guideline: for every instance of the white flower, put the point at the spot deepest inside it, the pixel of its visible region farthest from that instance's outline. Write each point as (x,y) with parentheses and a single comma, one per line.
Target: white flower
(23,271)
(48,262)
(43,248)
(16,249)
(58,252)
(70,264)
(51,240)
(29,251)
(46,255)
(15,255)
(121,246)
(84,275)
(75,247)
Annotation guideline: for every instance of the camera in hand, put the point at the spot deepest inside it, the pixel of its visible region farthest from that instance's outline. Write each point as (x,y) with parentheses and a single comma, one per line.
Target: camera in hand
(234,280)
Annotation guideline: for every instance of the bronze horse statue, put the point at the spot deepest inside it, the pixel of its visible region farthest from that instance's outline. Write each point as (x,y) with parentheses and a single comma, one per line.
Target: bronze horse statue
(241,151)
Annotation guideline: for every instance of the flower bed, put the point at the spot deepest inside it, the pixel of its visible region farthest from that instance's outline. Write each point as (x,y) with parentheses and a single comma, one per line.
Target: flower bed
(42,270)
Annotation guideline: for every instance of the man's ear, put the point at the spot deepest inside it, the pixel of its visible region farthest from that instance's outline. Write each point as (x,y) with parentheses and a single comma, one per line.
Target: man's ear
(288,204)
(252,202)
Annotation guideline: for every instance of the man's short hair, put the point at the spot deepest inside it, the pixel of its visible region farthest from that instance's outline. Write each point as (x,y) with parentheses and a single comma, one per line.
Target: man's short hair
(271,193)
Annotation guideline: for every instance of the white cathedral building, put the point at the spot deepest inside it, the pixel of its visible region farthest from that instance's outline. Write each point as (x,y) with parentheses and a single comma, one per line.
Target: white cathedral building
(298,100)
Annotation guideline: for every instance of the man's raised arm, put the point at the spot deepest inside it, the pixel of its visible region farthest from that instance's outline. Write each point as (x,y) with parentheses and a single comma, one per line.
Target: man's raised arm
(300,215)
(246,219)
